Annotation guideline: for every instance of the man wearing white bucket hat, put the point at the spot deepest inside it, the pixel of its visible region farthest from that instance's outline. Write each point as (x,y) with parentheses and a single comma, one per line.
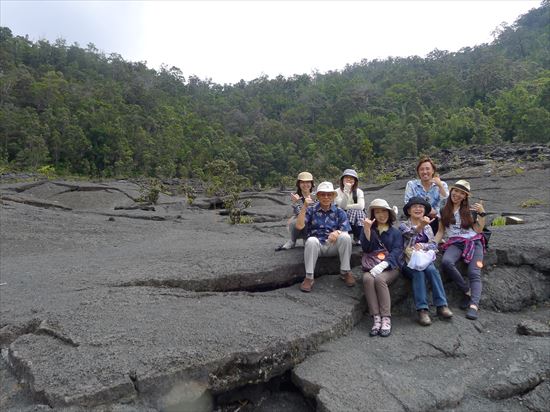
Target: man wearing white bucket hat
(327,228)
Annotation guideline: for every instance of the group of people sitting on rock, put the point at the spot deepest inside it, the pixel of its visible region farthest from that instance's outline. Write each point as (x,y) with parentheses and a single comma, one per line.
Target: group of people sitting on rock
(327,219)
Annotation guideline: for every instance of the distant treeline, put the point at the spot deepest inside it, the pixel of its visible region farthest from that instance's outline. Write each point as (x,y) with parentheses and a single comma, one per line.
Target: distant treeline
(87,113)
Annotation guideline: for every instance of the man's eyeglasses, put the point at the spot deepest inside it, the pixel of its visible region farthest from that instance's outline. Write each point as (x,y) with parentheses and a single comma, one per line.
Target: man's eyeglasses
(323,194)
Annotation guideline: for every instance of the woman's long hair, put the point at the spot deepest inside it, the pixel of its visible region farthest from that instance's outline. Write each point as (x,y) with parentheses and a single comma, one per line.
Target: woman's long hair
(447,215)
(299,190)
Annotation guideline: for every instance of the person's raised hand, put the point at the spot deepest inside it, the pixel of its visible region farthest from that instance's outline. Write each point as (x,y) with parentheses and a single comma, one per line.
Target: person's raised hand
(294,197)
(478,207)
(436,180)
(425,221)
(367,223)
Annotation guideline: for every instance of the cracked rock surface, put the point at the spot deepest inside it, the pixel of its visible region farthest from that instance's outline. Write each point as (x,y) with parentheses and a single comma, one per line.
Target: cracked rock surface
(170,307)
(442,367)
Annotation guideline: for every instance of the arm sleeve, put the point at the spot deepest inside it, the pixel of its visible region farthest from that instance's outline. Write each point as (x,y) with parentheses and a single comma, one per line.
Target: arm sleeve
(341,199)
(395,247)
(408,191)
(430,245)
(369,245)
(296,207)
(407,232)
(443,199)
(343,221)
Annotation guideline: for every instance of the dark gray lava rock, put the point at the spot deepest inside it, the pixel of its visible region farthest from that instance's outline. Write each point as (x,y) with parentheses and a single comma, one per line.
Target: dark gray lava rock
(533,328)
(115,316)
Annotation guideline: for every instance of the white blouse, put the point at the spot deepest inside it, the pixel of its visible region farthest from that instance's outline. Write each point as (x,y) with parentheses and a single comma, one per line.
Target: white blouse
(455,229)
(345,200)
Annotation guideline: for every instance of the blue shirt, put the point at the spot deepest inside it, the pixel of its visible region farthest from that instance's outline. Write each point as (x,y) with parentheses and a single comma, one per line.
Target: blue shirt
(297,206)
(432,196)
(320,224)
(392,241)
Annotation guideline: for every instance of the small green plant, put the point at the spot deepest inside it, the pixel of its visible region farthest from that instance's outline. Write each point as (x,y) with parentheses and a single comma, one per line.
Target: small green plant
(245,220)
(189,192)
(48,171)
(499,221)
(4,169)
(530,203)
(223,179)
(151,191)
(518,170)
(235,206)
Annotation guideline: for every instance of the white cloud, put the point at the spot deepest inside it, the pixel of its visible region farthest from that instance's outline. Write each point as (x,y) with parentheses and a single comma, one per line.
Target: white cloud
(230,40)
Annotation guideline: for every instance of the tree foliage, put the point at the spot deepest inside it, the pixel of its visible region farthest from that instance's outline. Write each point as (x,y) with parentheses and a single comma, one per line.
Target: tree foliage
(84,112)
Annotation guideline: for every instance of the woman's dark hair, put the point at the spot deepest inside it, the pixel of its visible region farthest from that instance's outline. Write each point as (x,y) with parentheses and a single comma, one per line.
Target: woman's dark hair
(391,219)
(425,159)
(447,215)
(353,188)
(299,191)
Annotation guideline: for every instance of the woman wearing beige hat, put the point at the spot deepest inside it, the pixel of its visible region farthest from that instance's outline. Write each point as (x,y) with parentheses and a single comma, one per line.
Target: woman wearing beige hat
(464,241)
(381,239)
(304,188)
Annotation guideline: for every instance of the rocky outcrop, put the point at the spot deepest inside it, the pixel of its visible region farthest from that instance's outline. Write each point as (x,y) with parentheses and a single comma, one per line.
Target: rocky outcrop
(170,306)
(481,160)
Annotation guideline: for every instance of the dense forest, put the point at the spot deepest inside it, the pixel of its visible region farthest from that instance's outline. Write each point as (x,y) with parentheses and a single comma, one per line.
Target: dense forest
(79,111)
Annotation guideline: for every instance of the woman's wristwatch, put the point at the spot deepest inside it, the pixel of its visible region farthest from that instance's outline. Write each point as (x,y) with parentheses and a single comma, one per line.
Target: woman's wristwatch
(482,214)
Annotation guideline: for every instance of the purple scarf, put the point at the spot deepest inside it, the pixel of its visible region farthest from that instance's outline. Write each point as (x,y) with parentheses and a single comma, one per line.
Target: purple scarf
(469,245)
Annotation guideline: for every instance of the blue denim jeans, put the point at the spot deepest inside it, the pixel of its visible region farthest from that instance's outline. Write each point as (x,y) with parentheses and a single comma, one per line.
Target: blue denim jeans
(419,286)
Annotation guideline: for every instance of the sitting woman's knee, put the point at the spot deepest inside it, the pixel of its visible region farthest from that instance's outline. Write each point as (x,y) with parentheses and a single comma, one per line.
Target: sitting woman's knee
(368,279)
(447,263)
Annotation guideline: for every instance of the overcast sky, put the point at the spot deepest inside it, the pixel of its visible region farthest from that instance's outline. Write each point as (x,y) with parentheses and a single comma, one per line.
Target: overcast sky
(231,40)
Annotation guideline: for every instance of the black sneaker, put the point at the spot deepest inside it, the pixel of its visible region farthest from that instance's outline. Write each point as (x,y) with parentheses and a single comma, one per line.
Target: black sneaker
(471,313)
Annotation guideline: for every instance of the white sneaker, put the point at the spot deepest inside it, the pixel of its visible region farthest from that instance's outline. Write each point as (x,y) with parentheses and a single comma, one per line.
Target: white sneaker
(289,245)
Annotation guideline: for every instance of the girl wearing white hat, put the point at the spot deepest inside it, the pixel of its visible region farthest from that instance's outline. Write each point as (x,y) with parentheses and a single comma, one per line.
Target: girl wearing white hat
(304,189)
(352,200)
(380,238)
(465,242)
